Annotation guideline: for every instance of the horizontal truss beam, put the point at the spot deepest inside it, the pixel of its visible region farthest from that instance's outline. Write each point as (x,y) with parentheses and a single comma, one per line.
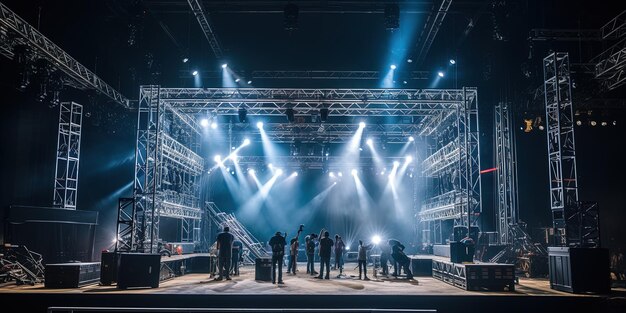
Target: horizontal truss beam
(42,47)
(542,34)
(337,75)
(319,162)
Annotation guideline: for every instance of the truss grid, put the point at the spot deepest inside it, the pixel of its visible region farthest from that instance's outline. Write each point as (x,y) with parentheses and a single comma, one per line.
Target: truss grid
(506,173)
(68,155)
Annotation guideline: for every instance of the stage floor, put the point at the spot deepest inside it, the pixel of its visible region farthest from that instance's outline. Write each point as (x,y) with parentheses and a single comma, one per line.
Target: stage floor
(348,291)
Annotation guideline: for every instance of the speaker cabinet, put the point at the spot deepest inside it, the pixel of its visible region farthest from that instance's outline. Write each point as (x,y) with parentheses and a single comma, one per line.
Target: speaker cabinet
(71,275)
(263,269)
(138,270)
(580,270)
(108,268)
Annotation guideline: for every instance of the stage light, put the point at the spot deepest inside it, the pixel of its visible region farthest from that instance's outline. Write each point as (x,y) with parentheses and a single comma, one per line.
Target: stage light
(233,148)
(246,142)
(259,125)
(270,166)
(214,125)
(409,60)
(331,174)
(249,82)
(393,66)
(411,138)
(405,82)
(593,123)
(369,142)
(279,172)
(233,172)
(440,74)
(185,60)
(327,154)
(382,172)
(218,158)
(614,123)
(225,65)
(452,61)
(237,80)
(251,171)
(376,239)
(604,123)
(347,248)
(194,73)
(354,172)
(579,122)
(409,159)
(362,125)
(396,163)
(243,115)
(295,173)
(204,122)
(340,174)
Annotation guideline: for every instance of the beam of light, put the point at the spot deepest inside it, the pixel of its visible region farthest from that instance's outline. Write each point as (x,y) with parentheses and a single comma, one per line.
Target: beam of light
(232,185)
(228,81)
(411,139)
(489,170)
(241,179)
(251,207)
(259,125)
(388,79)
(311,208)
(197,79)
(393,66)
(204,122)
(245,142)
(214,125)
(269,149)
(354,172)
(378,161)
(365,200)
(225,65)
(376,239)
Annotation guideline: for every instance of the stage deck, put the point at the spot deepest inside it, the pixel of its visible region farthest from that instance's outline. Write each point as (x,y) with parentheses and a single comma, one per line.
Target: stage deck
(304,291)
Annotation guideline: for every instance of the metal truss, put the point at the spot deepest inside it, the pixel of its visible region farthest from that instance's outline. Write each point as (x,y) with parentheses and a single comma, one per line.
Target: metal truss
(441,159)
(615,28)
(68,155)
(181,155)
(325,132)
(318,162)
(190,230)
(541,34)
(338,75)
(583,225)
(471,159)
(18,31)
(431,123)
(205,24)
(444,207)
(561,143)
(431,29)
(180,211)
(126,238)
(611,59)
(506,173)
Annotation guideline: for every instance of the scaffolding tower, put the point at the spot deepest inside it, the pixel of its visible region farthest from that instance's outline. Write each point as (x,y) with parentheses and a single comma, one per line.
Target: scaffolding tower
(68,155)
(506,157)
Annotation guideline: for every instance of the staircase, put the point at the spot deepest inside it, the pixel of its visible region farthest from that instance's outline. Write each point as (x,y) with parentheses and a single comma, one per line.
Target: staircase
(253,245)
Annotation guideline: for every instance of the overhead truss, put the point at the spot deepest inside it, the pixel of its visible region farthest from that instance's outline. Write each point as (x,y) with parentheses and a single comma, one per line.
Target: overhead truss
(205,24)
(431,29)
(317,74)
(14,30)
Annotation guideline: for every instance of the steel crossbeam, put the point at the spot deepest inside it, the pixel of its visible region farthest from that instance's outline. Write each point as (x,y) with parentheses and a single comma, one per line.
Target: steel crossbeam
(615,28)
(205,24)
(542,34)
(181,155)
(441,159)
(431,29)
(42,47)
(314,74)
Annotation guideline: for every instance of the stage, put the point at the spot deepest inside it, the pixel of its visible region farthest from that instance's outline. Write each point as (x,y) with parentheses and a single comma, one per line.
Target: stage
(303,291)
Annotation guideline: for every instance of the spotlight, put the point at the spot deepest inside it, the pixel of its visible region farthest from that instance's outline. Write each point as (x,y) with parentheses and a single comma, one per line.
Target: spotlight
(452,61)
(354,172)
(279,172)
(185,60)
(270,166)
(259,125)
(614,123)
(579,122)
(382,172)
(409,159)
(376,239)
(233,172)
(249,82)
(362,125)
(295,173)
(393,66)
(251,171)
(604,123)
(593,123)
(331,174)
(340,174)
(396,163)
(214,125)
(369,142)
(218,158)
(225,65)
(347,248)
(237,80)
(409,60)
(440,74)
(246,142)
(405,82)
(194,73)
(411,138)
(242,115)
(204,122)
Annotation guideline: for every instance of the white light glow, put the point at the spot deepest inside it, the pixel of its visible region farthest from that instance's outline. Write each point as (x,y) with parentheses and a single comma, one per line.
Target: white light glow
(214,125)
(376,239)
(369,142)
(440,74)
(411,139)
(185,60)
(396,163)
(354,172)
(409,159)
(331,174)
(204,122)
(237,80)
(362,124)
(194,73)
(294,174)
(393,66)
(218,158)
(452,61)
(251,171)
(340,174)
(246,142)
(259,125)
(279,172)
(224,65)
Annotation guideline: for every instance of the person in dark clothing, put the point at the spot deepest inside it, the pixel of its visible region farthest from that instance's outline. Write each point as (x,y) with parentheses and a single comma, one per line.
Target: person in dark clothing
(470,247)
(397,252)
(236,257)
(224,242)
(278,244)
(362,259)
(339,248)
(310,254)
(326,245)
(385,256)
(294,245)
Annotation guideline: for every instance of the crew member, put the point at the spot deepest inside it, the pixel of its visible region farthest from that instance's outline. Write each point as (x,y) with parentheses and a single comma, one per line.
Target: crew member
(278,253)
(310,254)
(339,248)
(362,259)
(326,245)
(224,242)
(236,257)
(397,252)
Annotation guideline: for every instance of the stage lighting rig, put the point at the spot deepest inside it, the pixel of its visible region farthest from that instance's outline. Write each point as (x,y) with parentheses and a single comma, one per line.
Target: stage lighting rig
(392,16)
(291,16)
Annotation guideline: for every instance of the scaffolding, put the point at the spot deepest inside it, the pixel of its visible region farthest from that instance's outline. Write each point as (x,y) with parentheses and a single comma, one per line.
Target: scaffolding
(67,155)
(506,173)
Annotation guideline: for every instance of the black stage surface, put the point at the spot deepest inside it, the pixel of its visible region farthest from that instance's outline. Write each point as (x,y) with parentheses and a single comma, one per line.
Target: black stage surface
(302,292)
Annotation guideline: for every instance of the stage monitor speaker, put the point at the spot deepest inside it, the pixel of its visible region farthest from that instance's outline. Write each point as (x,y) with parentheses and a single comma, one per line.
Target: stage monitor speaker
(457,252)
(422,266)
(580,270)
(459,232)
(138,270)
(108,268)
(263,269)
(71,275)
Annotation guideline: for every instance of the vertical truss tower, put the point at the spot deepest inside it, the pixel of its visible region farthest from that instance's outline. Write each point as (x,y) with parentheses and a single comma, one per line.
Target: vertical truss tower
(68,155)
(506,173)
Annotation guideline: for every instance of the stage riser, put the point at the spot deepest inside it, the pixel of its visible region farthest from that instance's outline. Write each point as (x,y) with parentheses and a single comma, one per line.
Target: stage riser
(479,277)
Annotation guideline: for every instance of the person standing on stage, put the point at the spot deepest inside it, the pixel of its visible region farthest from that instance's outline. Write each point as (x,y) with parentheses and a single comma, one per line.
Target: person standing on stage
(397,252)
(224,242)
(310,254)
(326,245)
(293,255)
(236,257)
(278,244)
(385,256)
(339,248)
(362,258)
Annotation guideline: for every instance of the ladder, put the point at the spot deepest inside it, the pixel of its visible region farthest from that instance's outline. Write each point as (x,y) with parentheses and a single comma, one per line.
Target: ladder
(254,246)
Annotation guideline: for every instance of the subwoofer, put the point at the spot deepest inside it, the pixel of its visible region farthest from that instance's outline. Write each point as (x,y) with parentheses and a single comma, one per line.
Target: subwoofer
(138,270)
(263,269)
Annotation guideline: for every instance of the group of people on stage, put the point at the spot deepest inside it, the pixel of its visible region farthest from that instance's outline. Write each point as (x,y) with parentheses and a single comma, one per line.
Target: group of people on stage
(230,251)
